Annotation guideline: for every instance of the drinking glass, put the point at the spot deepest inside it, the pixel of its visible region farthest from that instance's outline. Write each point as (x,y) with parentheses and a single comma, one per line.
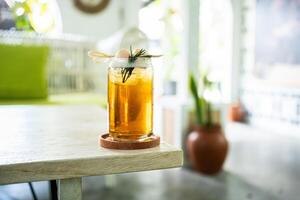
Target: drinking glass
(130,99)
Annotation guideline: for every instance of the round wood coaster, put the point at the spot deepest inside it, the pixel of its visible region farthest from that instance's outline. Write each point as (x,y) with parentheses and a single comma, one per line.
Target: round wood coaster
(107,142)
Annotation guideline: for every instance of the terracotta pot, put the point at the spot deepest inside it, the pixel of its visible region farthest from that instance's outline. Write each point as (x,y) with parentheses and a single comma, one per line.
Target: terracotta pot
(236,113)
(207,149)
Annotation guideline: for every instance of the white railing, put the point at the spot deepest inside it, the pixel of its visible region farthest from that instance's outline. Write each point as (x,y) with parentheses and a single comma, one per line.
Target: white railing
(69,68)
(272,105)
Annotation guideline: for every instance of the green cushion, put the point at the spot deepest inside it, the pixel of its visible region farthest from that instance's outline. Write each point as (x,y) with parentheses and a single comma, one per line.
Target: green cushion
(23,71)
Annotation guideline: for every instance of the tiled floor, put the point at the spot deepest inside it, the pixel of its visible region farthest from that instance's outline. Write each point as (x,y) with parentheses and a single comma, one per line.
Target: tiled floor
(260,166)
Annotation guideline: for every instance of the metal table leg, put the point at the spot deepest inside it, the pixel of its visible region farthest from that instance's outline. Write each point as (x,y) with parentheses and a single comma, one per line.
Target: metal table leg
(53,190)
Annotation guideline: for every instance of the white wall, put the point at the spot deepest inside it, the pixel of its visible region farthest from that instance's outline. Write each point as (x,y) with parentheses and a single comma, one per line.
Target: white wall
(95,26)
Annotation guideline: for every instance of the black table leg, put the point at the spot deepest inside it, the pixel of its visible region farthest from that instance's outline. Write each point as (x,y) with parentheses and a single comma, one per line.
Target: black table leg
(32,191)
(53,190)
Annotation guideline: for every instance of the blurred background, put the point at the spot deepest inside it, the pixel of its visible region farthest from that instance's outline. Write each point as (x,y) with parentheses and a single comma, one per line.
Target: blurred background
(246,54)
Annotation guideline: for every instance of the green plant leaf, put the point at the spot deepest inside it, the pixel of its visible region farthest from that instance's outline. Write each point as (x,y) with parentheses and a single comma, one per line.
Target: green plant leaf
(194,91)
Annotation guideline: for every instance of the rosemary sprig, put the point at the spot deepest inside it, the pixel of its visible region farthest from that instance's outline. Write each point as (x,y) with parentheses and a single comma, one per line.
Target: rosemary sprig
(127,71)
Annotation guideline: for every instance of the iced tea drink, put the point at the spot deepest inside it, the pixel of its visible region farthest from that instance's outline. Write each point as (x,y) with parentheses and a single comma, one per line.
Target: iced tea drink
(130,101)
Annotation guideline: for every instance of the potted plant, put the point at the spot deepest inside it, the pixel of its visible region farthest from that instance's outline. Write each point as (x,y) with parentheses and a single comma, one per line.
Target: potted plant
(206,144)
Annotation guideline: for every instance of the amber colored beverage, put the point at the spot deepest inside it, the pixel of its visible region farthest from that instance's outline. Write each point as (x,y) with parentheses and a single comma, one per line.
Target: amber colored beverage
(130,103)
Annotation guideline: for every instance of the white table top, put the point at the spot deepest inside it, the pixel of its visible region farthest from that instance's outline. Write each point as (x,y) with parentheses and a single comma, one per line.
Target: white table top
(57,142)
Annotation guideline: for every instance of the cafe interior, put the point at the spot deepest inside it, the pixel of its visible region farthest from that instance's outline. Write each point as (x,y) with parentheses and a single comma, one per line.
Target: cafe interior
(217,79)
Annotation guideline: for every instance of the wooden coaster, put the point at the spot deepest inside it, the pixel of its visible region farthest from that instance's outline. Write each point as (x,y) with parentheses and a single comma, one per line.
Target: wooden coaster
(107,142)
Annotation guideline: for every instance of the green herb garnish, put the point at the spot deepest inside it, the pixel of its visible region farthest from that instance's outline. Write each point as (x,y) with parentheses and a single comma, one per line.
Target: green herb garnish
(127,71)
